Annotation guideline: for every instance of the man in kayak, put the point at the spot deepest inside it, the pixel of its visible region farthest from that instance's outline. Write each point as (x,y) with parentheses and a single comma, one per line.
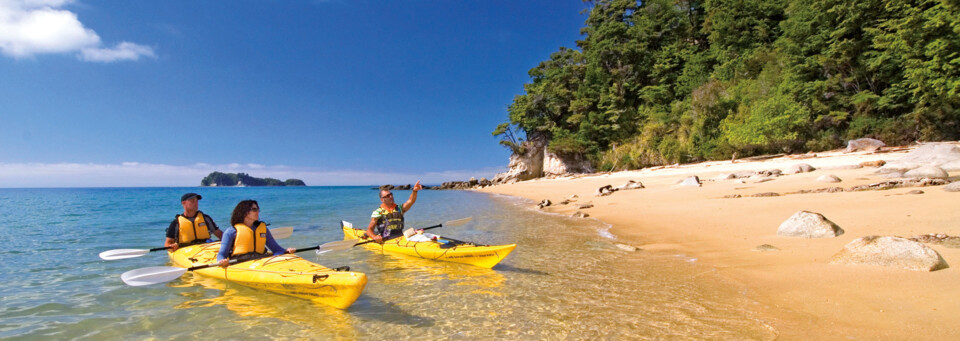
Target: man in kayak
(249,238)
(387,220)
(191,227)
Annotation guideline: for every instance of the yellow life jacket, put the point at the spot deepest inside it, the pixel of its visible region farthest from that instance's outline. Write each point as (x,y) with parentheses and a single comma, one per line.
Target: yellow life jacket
(192,232)
(390,222)
(250,239)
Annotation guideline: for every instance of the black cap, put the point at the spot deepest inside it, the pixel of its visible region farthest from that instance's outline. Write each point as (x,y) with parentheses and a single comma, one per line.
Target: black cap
(187,196)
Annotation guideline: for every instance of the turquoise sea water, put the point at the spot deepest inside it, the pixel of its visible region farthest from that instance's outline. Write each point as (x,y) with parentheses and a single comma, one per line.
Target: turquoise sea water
(564,281)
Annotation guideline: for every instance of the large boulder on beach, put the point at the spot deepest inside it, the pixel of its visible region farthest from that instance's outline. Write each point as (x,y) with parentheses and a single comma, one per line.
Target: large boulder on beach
(930,172)
(864,144)
(809,225)
(891,252)
(799,168)
(692,181)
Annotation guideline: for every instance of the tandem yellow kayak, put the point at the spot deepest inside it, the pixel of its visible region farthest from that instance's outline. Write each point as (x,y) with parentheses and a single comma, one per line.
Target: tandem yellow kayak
(443,249)
(284,274)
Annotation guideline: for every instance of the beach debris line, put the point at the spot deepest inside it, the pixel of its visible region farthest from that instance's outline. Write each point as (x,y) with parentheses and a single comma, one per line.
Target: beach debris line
(766,248)
(938,238)
(808,224)
(889,251)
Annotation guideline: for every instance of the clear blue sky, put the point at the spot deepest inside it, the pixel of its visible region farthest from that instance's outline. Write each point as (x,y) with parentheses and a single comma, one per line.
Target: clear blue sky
(159,93)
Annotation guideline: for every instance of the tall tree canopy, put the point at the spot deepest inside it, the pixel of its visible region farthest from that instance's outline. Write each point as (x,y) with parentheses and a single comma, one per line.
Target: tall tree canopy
(665,81)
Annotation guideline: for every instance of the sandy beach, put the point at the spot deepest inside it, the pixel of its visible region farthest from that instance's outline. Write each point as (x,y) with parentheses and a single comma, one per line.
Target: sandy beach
(798,291)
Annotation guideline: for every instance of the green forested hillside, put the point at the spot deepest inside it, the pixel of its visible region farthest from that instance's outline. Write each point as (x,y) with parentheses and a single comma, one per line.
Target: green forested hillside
(665,81)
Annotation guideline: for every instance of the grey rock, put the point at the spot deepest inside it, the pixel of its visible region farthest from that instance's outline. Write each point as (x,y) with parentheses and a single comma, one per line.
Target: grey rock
(605,190)
(544,203)
(828,178)
(809,225)
(890,252)
(952,187)
(691,182)
(916,191)
(584,206)
(745,174)
(731,196)
(724,176)
(626,247)
(864,144)
(579,214)
(799,168)
(892,175)
(562,164)
(630,185)
(929,154)
(763,180)
(930,172)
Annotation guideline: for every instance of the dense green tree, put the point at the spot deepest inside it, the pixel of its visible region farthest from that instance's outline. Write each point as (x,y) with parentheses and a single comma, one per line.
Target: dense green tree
(665,81)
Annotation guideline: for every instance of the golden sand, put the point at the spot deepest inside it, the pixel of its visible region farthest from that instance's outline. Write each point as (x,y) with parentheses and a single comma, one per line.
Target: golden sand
(800,293)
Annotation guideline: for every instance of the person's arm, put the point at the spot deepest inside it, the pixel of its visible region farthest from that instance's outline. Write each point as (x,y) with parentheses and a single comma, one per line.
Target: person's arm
(212,226)
(275,247)
(171,240)
(226,247)
(373,223)
(413,197)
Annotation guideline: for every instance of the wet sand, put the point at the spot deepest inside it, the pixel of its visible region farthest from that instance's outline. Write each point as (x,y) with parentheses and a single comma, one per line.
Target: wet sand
(799,293)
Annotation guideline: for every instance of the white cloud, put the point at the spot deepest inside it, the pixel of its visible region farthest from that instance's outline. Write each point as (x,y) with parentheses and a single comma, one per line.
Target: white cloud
(123,51)
(32,27)
(137,174)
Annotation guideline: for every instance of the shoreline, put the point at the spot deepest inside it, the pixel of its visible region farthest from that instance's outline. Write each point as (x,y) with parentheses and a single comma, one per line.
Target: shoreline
(798,291)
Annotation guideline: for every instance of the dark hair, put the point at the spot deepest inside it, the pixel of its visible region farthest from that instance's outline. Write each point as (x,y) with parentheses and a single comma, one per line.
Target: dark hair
(383,190)
(241,211)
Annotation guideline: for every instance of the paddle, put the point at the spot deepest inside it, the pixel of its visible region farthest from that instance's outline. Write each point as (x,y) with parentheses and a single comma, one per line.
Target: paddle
(341,245)
(278,233)
(162,274)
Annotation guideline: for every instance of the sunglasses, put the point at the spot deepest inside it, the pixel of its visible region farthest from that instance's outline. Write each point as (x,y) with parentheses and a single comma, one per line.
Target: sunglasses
(255,209)
(388,195)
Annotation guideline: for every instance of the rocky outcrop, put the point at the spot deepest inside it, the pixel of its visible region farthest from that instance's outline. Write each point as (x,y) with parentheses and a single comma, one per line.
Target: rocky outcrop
(526,165)
(943,155)
(809,225)
(864,144)
(891,252)
(559,164)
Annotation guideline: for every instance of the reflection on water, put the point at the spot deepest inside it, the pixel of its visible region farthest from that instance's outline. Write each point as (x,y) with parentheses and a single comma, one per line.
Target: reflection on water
(564,281)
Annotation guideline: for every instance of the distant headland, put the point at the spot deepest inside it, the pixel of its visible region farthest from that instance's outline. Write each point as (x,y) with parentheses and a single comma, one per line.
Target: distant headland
(219,179)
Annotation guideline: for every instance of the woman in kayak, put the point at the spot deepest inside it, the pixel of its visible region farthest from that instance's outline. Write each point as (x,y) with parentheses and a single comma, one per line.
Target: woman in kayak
(249,237)
(387,220)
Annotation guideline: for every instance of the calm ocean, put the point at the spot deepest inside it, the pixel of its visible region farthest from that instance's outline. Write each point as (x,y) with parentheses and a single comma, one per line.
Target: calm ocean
(564,281)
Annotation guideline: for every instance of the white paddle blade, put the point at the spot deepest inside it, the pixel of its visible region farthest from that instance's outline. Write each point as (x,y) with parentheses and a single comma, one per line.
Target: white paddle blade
(152,275)
(122,254)
(346,224)
(282,232)
(339,245)
(457,222)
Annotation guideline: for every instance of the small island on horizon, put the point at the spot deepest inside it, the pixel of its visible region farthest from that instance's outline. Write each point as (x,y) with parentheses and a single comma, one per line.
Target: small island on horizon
(218,179)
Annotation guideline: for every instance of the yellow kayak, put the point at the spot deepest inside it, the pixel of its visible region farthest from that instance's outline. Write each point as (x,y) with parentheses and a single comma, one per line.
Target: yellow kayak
(450,250)
(284,274)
